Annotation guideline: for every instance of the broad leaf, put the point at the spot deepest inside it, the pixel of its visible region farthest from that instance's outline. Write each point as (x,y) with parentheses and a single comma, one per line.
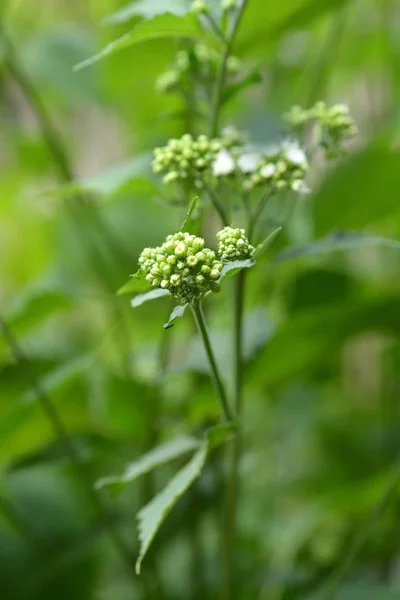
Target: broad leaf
(267,242)
(336,242)
(151,295)
(161,26)
(177,313)
(234,267)
(149,461)
(190,212)
(136,284)
(151,517)
(148,9)
(362,190)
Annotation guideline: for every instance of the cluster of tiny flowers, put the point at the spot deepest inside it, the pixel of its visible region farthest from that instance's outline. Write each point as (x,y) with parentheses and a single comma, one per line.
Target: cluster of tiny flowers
(186,158)
(183,266)
(335,123)
(233,244)
(197,62)
(199,7)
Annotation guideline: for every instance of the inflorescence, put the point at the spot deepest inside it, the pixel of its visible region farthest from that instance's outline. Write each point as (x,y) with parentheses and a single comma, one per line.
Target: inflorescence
(233,244)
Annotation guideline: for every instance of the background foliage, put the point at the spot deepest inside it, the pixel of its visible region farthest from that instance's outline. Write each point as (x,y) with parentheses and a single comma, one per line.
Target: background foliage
(319,504)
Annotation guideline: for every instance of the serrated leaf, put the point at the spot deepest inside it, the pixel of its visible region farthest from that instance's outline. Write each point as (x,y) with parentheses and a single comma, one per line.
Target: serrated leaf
(149,461)
(177,313)
(336,242)
(151,295)
(267,242)
(151,517)
(161,26)
(148,9)
(190,212)
(234,267)
(137,283)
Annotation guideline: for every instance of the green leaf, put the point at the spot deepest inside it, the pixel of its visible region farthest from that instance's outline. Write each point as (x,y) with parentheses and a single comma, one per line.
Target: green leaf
(362,190)
(137,283)
(336,242)
(151,295)
(148,9)
(161,26)
(251,78)
(190,212)
(177,313)
(151,517)
(267,242)
(149,461)
(234,267)
(219,434)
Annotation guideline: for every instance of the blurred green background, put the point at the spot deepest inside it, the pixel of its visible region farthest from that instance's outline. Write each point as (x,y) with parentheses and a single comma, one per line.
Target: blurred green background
(319,498)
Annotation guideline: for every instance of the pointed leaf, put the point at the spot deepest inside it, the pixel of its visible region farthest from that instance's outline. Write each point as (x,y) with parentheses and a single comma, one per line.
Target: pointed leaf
(177,313)
(336,242)
(234,267)
(148,9)
(151,517)
(191,210)
(149,461)
(267,242)
(152,295)
(137,283)
(161,26)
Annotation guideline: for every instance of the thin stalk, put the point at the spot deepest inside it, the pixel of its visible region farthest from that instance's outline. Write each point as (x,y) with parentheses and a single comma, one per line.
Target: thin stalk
(215,27)
(217,204)
(62,435)
(221,77)
(337,577)
(216,377)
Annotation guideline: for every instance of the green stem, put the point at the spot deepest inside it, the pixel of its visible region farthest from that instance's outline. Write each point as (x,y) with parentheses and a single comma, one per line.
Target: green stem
(62,435)
(217,204)
(221,77)
(215,27)
(218,384)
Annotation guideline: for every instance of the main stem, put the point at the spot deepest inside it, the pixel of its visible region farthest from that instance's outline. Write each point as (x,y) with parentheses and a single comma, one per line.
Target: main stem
(218,384)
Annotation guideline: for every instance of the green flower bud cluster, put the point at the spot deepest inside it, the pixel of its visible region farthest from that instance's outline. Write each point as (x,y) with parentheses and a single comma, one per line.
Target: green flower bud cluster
(233,244)
(335,123)
(229,4)
(183,266)
(186,158)
(199,7)
(279,167)
(197,62)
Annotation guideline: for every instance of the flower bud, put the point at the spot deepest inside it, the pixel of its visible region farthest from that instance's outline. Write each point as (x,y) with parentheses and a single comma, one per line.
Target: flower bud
(180,250)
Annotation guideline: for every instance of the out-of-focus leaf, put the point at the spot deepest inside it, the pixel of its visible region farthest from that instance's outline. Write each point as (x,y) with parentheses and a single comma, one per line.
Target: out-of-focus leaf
(266,243)
(234,267)
(161,26)
(152,295)
(177,313)
(261,25)
(254,76)
(368,591)
(190,212)
(336,242)
(362,190)
(148,9)
(156,457)
(137,283)
(151,517)
(219,434)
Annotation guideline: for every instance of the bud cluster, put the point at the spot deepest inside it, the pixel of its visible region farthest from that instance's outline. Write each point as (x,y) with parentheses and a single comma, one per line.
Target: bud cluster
(335,123)
(183,266)
(233,244)
(197,62)
(186,158)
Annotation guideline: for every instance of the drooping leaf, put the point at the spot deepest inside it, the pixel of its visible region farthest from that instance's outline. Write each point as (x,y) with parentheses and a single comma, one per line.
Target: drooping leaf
(267,242)
(363,189)
(148,9)
(336,242)
(234,267)
(161,26)
(151,295)
(136,284)
(190,212)
(177,313)
(151,517)
(149,461)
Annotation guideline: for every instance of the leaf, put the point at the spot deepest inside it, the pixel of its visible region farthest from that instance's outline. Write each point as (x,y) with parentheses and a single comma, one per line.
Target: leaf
(336,242)
(267,242)
(254,76)
(361,190)
(177,313)
(152,295)
(219,434)
(151,517)
(234,267)
(148,9)
(149,461)
(137,283)
(161,26)
(190,212)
